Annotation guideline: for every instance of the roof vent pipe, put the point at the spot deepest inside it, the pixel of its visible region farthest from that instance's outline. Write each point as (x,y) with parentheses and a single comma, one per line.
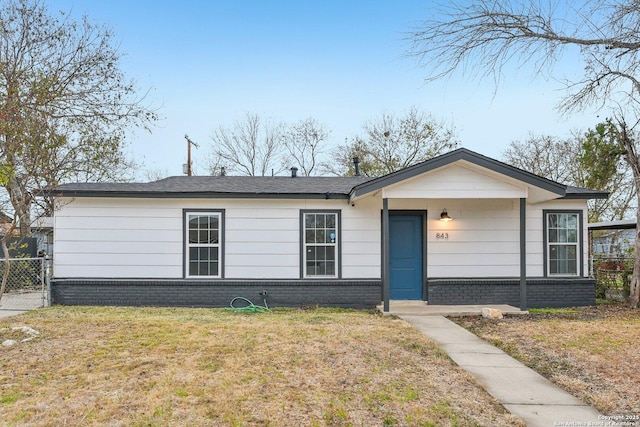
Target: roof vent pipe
(294,172)
(356,165)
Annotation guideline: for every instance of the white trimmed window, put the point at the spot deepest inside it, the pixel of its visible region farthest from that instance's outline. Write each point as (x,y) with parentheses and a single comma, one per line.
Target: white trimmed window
(203,244)
(320,244)
(563,243)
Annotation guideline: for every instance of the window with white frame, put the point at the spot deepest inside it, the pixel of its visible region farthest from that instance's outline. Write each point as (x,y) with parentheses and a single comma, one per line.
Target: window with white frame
(203,239)
(320,244)
(563,243)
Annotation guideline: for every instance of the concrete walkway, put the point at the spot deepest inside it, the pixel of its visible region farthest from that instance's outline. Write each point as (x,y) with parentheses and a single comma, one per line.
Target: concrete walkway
(521,391)
(9,313)
(14,303)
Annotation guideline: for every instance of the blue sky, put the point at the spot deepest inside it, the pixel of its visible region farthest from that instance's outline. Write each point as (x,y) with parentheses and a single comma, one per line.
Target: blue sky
(341,62)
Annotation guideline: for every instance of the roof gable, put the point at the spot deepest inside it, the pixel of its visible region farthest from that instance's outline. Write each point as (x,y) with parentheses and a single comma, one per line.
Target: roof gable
(461,154)
(459,180)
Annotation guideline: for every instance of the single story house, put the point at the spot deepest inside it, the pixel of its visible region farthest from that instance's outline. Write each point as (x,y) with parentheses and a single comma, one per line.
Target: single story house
(42,232)
(19,247)
(6,224)
(460,228)
(613,238)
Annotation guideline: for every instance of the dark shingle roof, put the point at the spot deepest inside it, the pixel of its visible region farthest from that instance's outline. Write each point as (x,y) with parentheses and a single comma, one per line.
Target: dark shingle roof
(307,187)
(584,193)
(220,186)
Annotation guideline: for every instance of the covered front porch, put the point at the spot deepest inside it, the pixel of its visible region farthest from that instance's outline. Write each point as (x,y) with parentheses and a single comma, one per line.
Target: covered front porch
(475,254)
(421,308)
(463,229)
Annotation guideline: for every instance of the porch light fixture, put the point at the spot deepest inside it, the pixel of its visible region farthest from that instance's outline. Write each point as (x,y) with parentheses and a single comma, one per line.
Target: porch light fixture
(444,216)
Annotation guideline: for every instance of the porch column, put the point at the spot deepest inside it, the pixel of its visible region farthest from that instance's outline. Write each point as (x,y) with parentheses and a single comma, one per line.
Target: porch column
(523,254)
(385,254)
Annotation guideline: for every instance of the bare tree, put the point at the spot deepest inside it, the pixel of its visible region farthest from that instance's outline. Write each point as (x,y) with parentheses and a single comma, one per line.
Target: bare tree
(488,36)
(155,174)
(391,142)
(65,105)
(545,155)
(341,161)
(485,37)
(250,147)
(602,166)
(584,160)
(629,141)
(305,142)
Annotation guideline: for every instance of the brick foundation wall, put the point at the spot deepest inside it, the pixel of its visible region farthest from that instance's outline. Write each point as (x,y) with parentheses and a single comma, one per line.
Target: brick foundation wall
(560,292)
(192,293)
(297,293)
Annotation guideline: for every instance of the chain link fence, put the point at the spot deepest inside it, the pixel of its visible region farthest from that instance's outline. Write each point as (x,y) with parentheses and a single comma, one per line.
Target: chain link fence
(613,277)
(27,283)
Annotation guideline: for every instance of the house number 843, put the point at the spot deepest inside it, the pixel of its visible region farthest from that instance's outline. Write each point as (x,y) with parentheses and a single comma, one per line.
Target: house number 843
(442,236)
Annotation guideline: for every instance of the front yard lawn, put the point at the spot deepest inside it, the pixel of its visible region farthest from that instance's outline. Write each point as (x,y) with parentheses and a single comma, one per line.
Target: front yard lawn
(592,352)
(161,366)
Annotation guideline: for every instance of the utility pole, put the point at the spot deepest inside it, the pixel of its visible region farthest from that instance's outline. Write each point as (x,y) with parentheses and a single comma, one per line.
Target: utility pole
(189,144)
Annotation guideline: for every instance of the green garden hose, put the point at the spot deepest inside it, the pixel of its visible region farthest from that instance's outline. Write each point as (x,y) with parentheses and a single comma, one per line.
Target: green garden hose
(250,308)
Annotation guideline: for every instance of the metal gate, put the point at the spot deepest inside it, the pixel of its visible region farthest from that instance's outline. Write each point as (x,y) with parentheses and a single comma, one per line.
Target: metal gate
(27,285)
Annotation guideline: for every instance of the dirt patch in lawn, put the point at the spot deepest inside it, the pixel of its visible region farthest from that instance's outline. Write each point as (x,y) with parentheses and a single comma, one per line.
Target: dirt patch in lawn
(592,352)
(126,366)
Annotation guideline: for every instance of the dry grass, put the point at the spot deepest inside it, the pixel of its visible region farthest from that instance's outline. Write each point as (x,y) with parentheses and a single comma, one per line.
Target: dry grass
(143,367)
(592,352)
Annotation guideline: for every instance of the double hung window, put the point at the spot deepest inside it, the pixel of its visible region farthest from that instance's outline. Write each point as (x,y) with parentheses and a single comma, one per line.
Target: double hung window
(203,241)
(563,243)
(320,243)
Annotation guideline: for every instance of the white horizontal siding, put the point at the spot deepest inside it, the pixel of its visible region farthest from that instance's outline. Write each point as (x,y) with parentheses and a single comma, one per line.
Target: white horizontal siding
(473,258)
(117,223)
(535,233)
(111,259)
(77,270)
(483,238)
(278,260)
(250,248)
(149,237)
(455,182)
(265,242)
(121,238)
(443,193)
(262,242)
(454,248)
(283,221)
(535,243)
(110,210)
(361,233)
(115,238)
(116,247)
(263,236)
(474,236)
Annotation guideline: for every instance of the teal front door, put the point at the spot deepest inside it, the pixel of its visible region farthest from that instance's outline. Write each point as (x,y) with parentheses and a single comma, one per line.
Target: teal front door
(406,256)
